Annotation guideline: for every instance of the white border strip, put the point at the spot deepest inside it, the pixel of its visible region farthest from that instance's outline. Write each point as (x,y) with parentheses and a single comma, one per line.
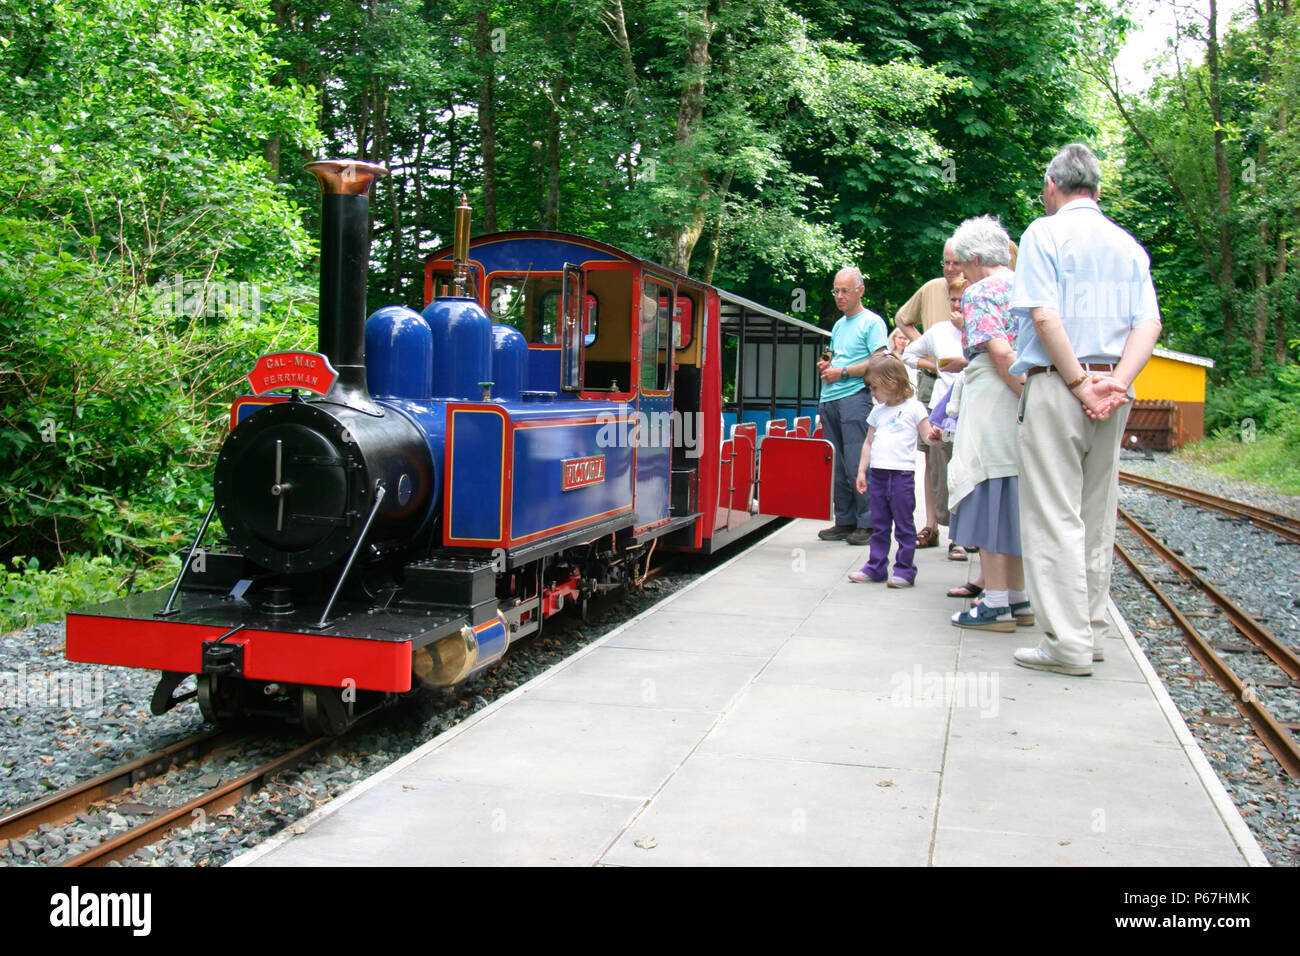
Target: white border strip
(343,799)
(1227,810)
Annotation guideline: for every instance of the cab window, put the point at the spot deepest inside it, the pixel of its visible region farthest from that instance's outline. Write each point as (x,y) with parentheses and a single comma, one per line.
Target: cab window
(656,330)
(530,304)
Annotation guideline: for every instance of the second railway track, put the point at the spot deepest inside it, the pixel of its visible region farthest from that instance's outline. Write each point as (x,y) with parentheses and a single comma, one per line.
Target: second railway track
(1212,650)
(1285,526)
(1258,569)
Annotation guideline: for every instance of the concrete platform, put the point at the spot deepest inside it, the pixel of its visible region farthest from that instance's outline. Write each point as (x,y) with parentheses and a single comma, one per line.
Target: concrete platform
(775,713)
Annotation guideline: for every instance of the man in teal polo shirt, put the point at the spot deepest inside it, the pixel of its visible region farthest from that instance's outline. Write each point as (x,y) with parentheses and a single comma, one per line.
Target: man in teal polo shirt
(845,403)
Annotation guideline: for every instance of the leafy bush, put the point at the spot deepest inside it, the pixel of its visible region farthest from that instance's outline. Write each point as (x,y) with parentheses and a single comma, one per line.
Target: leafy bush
(135,210)
(30,594)
(1263,401)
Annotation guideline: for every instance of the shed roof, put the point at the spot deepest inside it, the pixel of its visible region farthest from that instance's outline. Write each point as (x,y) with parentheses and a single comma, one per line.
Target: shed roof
(1183,357)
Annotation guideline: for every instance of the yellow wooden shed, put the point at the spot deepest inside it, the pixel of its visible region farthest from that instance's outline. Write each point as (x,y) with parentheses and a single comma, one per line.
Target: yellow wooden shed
(1170,395)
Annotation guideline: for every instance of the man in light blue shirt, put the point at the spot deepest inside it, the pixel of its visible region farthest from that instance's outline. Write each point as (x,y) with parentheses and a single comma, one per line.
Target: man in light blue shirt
(845,403)
(1088,320)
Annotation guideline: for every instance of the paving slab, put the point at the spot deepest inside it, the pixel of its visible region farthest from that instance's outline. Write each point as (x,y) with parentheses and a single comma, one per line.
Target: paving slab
(727,810)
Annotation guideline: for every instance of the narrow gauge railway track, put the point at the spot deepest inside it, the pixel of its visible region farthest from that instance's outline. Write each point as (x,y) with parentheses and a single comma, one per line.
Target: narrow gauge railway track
(210,803)
(63,807)
(153,831)
(1277,735)
(1282,525)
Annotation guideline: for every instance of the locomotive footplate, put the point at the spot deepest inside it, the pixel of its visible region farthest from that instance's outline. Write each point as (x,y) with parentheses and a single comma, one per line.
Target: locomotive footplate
(521,554)
(371,648)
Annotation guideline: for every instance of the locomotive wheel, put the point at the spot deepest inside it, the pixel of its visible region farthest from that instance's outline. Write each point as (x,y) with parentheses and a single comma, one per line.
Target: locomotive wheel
(218,699)
(321,711)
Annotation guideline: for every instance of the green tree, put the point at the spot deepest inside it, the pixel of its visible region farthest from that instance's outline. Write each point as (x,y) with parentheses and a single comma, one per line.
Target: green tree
(145,254)
(1211,177)
(1015,98)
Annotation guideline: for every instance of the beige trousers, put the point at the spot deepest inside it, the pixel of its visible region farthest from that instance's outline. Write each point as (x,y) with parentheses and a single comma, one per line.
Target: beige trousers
(1069,490)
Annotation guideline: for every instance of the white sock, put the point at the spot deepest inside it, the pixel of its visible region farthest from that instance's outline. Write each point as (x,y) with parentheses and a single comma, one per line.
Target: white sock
(1018,597)
(995,599)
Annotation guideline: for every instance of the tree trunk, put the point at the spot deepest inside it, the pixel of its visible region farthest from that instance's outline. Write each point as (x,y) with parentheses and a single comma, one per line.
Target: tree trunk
(1280,266)
(617,25)
(453,151)
(272,153)
(1260,329)
(715,237)
(690,115)
(422,225)
(384,151)
(551,213)
(361,130)
(1223,179)
(487,119)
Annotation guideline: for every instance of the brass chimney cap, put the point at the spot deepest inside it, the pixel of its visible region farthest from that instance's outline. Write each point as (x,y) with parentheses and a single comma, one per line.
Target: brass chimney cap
(347,177)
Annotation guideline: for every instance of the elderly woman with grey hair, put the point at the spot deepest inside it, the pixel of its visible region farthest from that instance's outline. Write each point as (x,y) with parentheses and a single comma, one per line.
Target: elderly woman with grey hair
(983,488)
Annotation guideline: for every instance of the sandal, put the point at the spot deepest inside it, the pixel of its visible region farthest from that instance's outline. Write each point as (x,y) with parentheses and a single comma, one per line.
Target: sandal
(956,552)
(966,591)
(927,538)
(1022,612)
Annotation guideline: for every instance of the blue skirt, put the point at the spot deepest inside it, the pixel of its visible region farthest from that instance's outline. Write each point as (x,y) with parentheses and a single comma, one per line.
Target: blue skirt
(989,517)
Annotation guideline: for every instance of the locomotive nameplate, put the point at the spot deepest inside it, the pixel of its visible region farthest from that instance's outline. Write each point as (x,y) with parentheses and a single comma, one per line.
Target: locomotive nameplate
(579,472)
(309,371)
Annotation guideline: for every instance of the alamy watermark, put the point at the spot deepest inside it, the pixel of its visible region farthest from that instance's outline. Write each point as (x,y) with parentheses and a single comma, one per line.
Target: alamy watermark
(60,689)
(1087,299)
(178,296)
(628,429)
(922,688)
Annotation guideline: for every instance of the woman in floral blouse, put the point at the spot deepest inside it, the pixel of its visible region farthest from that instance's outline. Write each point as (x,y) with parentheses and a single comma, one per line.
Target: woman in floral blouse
(983,482)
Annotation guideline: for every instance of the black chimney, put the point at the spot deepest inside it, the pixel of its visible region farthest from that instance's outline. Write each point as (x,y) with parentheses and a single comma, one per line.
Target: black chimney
(344,261)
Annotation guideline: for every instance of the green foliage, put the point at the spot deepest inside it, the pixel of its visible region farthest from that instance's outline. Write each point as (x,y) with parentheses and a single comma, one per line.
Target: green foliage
(1254,424)
(145,257)
(1216,198)
(30,594)
(1012,98)
(1263,401)
(766,141)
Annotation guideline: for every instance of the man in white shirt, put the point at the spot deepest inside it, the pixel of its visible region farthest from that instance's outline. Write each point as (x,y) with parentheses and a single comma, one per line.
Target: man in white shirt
(1088,320)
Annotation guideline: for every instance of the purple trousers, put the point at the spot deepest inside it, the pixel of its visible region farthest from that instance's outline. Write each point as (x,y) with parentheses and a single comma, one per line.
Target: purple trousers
(893,505)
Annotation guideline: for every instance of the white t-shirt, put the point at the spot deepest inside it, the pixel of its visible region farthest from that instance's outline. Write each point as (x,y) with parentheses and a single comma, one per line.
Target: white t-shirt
(894,444)
(941,341)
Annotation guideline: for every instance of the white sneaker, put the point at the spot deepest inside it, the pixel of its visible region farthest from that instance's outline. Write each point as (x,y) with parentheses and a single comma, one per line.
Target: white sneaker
(1036,658)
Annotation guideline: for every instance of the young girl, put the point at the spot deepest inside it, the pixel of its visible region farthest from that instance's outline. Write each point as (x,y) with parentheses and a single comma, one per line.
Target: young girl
(893,426)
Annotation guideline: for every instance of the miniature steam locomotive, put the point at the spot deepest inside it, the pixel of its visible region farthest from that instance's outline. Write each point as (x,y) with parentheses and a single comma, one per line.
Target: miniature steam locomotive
(426,488)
